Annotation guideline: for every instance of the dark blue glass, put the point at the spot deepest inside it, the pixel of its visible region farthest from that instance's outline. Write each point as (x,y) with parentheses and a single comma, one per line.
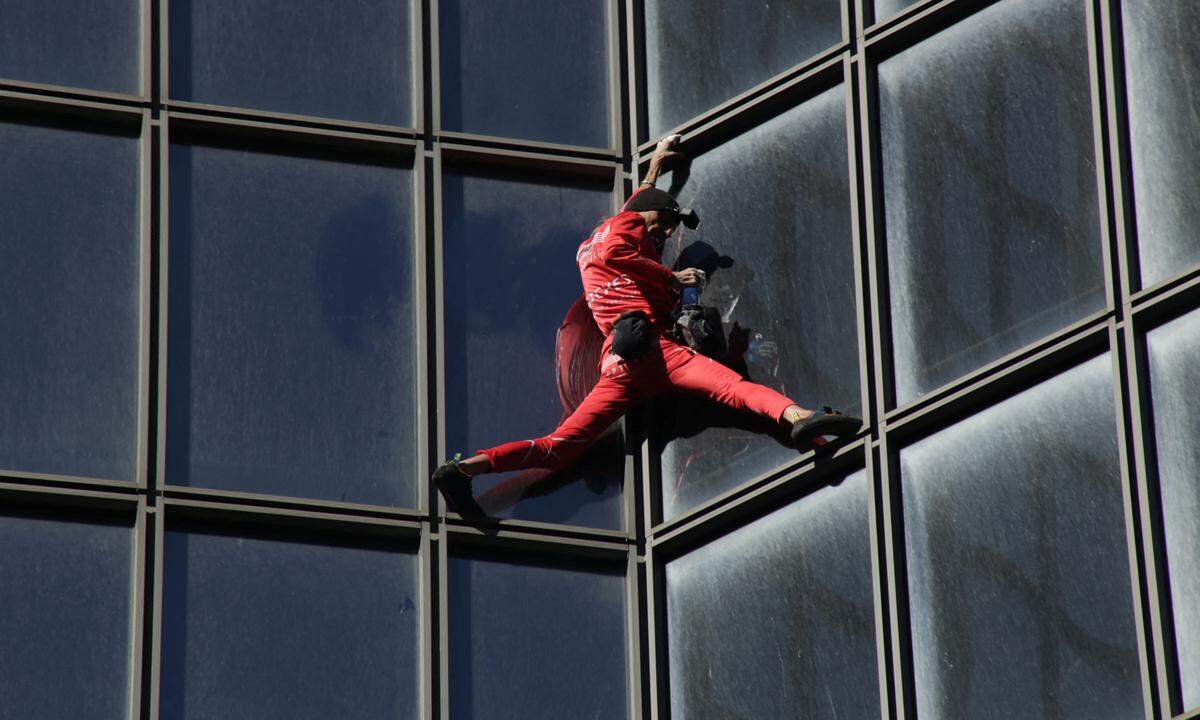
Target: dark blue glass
(291,348)
(536,641)
(989,186)
(1018,567)
(776,619)
(65,624)
(781,272)
(262,627)
(69,246)
(91,44)
(510,278)
(529,69)
(349,59)
(700,53)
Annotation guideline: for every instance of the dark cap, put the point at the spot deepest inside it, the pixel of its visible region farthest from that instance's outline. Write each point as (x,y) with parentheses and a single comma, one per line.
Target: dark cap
(655,199)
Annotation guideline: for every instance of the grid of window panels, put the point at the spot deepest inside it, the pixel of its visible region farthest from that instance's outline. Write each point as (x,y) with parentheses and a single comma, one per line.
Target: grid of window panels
(269,264)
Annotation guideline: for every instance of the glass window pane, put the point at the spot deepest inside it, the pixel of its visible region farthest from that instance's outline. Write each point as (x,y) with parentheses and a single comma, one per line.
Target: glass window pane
(787,295)
(1174,376)
(886,8)
(536,641)
(348,59)
(529,69)
(700,53)
(258,628)
(1018,570)
(65,624)
(91,44)
(990,189)
(776,619)
(510,278)
(1162,66)
(291,326)
(69,268)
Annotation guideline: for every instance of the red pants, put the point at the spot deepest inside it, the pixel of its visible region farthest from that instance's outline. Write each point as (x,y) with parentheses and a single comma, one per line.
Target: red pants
(622,385)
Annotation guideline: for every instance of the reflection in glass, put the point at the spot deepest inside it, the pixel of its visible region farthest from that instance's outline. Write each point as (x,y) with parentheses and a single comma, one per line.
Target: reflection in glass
(1162,66)
(69,322)
(537,642)
(529,69)
(348,59)
(776,619)
(65,622)
(990,189)
(91,45)
(510,278)
(291,360)
(258,628)
(700,53)
(1174,375)
(784,284)
(1018,569)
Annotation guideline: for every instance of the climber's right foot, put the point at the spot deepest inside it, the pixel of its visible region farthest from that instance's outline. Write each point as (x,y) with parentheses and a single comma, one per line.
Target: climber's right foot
(455,487)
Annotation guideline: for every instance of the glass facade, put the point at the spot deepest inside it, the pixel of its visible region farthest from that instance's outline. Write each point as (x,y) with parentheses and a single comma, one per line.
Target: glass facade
(268,264)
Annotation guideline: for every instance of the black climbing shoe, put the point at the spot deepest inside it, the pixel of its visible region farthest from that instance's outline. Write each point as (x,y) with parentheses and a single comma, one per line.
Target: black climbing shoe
(822,423)
(455,487)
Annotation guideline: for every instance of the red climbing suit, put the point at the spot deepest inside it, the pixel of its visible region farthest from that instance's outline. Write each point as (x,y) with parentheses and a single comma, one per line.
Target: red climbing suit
(622,271)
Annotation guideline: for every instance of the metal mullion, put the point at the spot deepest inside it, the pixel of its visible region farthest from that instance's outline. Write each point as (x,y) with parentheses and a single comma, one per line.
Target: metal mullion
(896,581)
(137,592)
(1168,291)
(65,482)
(1152,560)
(1119,168)
(147,156)
(145,51)
(221,513)
(1014,361)
(435,70)
(250,501)
(294,133)
(612,33)
(1134,498)
(633,651)
(863,17)
(656,633)
(443,625)
(634,72)
(849,21)
(564,164)
(449,137)
(163,60)
(522,542)
(548,529)
(1100,127)
(919,22)
(85,106)
(800,471)
(68,92)
(162,133)
(155,518)
(420,316)
(416,67)
(980,393)
(1190,715)
(858,202)
(439,305)
(879,580)
(763,94)
(306,121)
(426,563)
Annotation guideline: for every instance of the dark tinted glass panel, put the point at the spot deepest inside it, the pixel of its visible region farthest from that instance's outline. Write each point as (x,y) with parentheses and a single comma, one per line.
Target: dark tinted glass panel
(256,628)
(69,271)
(777,619)
(784,283)
(1162,67)
(291,326)
(701,53)
(1018,571)
(348,59)
(887,8)
(65,624)
(1174,377)
(530,69)
(541,642)
(64,42)
(510,278)
(990,189)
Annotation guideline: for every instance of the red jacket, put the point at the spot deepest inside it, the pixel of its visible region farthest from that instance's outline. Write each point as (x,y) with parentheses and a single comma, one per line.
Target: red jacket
(623,271)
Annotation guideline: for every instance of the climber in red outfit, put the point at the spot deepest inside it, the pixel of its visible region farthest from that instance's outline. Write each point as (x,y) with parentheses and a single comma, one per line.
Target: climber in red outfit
(632,296)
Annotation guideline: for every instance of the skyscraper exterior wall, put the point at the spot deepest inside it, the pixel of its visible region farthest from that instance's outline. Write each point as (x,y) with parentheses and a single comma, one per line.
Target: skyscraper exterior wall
(268,263)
